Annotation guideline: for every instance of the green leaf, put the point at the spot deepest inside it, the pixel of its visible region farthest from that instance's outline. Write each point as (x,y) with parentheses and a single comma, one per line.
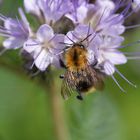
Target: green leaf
(24,109)
(95,118)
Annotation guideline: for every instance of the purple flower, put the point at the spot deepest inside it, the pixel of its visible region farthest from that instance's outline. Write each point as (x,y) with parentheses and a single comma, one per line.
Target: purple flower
(136,5)
(31,6)
(100,16)
(109,55)
(45,48)
(50,10)
(17,31)
(80,11)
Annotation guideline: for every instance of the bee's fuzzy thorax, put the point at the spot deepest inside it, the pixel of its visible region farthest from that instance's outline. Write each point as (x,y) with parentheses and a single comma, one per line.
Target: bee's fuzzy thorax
(76,58)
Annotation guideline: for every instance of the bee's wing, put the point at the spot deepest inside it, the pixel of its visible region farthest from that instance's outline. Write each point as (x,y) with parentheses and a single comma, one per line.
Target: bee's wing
(98,78)
(67,87)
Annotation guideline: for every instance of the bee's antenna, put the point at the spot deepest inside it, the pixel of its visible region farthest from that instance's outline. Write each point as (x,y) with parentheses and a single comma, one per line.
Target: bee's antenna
(70,39)
(86,38)
(65,43)
(88,35)
(97,25)
(132,55)
(20,25)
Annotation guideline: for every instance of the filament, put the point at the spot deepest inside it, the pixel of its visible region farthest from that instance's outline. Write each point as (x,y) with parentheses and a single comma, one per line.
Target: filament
(133,26)
(3,51)
(133,57)
(117,83)
(125,78)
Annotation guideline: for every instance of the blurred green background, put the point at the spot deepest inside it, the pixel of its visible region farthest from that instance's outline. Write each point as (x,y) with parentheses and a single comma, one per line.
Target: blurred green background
(26,111)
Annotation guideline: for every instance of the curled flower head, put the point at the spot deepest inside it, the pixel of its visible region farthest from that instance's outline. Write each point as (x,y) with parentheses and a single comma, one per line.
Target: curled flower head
(45,47)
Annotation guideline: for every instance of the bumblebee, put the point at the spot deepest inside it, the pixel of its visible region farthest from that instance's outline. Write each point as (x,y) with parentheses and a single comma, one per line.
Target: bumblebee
(80,76)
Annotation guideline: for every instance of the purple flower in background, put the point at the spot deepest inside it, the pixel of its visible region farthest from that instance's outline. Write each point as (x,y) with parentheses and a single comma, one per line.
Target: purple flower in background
(45,47)
(50,10)
(17,31)
(53,10)
(100,16)
(31,6)
(136,5)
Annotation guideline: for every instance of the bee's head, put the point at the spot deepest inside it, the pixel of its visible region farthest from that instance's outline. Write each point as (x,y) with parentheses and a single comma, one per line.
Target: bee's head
(79,45)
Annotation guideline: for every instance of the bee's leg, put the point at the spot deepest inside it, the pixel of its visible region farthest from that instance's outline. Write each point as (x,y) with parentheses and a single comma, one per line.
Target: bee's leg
(62,63)
(79,97)
(61,76)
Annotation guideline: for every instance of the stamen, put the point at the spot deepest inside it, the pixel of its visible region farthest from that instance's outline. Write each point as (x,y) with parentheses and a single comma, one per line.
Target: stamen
(2,17)
(131,11)
(35,59)
(3,51)
(118,4)
(100,19)
(133,57)
(125,78)
(125,11)
(114,79)
(132,53)
(133,26)
(23,17)
(5,34)
(3,28)
(130,44)
(35,74)
(35,44)
(20,25)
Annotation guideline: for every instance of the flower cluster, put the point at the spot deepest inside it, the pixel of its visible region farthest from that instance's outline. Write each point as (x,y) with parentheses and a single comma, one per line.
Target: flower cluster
(99,26)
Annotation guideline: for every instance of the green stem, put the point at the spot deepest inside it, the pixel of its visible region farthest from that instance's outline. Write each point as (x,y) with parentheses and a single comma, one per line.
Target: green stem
(61,129)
